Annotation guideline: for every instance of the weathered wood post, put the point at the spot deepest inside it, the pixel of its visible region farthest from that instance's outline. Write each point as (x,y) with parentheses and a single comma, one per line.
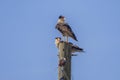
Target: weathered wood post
(65,52)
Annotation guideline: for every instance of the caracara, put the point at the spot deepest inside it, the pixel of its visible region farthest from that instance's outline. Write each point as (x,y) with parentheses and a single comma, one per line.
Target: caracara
(64,28)
(74,48)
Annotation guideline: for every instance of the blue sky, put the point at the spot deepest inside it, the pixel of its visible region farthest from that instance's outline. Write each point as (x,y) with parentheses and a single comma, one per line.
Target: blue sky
(27,32)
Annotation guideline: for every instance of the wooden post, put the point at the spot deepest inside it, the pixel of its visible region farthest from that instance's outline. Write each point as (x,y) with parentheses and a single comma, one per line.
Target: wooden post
(65,52)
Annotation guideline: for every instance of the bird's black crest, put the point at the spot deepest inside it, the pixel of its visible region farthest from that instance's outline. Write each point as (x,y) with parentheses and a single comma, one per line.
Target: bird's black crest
(58,37)
(61,16)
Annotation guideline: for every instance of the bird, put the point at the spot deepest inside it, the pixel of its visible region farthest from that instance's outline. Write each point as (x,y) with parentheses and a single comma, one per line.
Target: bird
(65,28)
(74,48)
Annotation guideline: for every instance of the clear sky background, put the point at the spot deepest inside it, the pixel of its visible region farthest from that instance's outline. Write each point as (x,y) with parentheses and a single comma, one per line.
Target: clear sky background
(27,32)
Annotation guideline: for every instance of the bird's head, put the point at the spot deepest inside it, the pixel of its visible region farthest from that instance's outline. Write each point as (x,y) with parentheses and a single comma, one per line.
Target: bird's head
(57,40)
(61,19)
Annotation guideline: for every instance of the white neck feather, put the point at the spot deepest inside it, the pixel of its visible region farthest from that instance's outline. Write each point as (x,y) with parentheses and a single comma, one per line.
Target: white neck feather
(60,21)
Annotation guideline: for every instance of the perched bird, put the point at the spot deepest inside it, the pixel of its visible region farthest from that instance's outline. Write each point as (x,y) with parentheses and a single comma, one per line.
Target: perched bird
(64,28)
(74,48)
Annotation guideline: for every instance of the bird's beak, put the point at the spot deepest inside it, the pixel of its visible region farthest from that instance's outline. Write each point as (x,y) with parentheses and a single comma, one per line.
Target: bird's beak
(64,19)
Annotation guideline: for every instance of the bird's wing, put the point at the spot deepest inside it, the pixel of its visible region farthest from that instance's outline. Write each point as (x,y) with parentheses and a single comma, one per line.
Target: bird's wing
(60,28)
(69,31)
(66,30)
(78,48)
